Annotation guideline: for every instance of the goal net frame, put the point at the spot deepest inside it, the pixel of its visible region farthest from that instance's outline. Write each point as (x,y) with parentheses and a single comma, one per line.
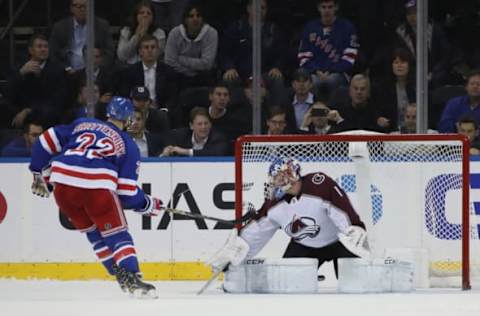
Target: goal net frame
(465,172)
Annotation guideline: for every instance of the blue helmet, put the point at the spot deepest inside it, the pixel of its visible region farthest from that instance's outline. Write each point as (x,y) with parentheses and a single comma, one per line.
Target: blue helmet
(282,173)
(120,109)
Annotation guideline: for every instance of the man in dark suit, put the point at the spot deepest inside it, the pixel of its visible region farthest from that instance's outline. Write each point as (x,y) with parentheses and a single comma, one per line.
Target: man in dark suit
(69,36)
(148,72)
(37,86)
(150,145)
(301,98)
(198,140)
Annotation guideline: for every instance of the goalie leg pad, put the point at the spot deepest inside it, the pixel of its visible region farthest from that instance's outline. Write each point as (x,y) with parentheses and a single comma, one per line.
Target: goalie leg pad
(233,252)
(356,275)
(288,275)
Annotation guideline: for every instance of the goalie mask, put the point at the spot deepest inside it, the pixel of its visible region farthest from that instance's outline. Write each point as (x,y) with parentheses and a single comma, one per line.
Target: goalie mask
(283,172)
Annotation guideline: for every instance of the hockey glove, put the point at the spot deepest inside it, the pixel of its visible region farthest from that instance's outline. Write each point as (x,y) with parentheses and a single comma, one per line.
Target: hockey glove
(233,252)
(153,206)
(39,186)
(354,238)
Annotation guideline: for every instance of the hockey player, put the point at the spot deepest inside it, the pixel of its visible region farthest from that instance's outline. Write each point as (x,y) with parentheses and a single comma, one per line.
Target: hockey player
(92,167)
(312,209)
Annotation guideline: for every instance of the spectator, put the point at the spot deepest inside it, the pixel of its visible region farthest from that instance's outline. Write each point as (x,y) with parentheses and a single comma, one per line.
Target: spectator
(148,72)
(79,107)
(409,125)
(320,120)
(437,44)
(156,119)
(276,121)
(198,140)
(168,13)
(302,98)
(232,122)
(459,106)
(397,90)
(69,36)
(150,145)
(142,22)
(38,86)
(409,122)
(21,146)
(357,111)
(191,50)
(245,103)
(328,48)
(103,77)
(235,54)
(375,21)
(468,126)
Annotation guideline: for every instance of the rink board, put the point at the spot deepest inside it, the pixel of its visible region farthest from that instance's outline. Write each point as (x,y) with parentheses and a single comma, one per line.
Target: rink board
(36,244)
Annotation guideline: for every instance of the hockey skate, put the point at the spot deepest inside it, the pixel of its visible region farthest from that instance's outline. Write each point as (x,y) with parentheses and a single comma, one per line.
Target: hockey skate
(132,282)
(121,279)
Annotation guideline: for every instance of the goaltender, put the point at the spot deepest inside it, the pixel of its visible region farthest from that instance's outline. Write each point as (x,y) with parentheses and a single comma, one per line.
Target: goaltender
(312,209)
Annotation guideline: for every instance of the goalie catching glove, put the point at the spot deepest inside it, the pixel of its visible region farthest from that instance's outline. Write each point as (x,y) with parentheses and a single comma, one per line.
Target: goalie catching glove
(153,206)
(354,238)
(233,252)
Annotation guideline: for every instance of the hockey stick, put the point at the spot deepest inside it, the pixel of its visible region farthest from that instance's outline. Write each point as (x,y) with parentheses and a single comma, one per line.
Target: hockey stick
(244,218)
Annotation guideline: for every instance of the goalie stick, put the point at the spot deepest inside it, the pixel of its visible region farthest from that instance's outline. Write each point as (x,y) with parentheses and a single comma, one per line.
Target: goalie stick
(214,276)
(244,218)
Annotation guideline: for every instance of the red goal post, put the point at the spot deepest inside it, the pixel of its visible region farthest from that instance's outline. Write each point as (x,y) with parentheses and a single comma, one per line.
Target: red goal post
(417,182)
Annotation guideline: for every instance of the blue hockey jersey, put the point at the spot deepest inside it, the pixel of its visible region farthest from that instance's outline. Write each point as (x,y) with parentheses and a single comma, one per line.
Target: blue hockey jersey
(332,49)
(92,154)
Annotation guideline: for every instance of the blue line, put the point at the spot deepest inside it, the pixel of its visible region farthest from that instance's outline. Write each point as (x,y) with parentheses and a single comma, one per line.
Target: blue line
(146,160)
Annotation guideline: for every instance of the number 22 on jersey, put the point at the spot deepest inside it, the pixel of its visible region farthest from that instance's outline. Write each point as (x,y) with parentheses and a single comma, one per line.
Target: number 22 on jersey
(89,146)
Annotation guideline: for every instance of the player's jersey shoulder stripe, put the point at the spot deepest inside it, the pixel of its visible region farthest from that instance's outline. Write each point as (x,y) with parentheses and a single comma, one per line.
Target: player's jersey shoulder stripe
(50,142)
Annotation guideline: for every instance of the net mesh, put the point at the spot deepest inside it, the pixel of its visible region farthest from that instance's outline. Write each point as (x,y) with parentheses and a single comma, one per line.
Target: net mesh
(409,193)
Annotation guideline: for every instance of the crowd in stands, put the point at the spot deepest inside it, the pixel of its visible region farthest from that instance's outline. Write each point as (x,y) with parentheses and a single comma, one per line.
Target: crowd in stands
(190,79)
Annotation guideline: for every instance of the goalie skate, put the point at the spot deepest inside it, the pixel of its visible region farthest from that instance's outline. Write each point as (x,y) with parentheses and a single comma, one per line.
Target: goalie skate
(132,282)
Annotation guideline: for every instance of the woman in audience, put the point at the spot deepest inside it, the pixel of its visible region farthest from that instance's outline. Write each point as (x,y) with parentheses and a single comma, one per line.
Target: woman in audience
(142,23)
(398,90)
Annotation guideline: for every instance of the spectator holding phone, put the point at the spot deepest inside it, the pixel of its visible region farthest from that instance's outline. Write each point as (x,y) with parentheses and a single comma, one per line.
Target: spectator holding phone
(320,120)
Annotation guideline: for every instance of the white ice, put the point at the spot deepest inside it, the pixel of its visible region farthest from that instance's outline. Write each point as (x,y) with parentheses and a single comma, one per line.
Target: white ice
(85,298)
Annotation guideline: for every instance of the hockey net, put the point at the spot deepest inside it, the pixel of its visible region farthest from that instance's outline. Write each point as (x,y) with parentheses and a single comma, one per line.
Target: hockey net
(410,190)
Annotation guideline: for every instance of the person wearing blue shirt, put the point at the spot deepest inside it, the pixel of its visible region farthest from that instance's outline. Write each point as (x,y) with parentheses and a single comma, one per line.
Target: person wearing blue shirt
(462,105)
(328,48)
(21,145)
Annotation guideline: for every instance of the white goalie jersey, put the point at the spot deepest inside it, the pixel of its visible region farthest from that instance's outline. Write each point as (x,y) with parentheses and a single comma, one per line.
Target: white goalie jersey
(313,218)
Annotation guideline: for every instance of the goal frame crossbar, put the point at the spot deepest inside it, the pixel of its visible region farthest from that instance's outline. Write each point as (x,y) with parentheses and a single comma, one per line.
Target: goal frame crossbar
(366,138)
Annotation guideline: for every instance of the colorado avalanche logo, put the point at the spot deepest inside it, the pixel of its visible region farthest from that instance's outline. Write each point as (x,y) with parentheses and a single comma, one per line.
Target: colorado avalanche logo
(302,227)
(318,178)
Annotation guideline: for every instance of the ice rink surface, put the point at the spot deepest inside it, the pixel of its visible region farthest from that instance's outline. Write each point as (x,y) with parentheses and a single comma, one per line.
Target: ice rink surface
(85,298)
